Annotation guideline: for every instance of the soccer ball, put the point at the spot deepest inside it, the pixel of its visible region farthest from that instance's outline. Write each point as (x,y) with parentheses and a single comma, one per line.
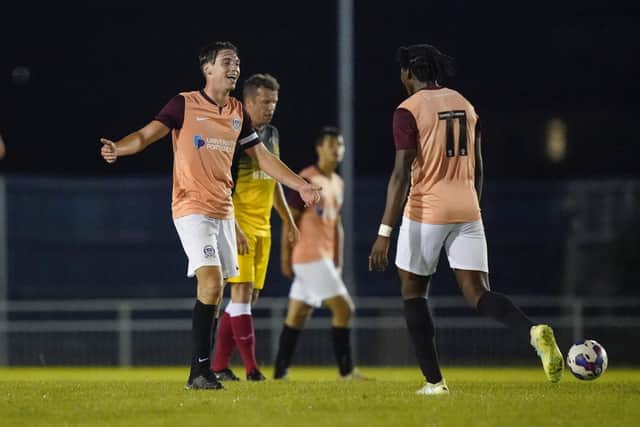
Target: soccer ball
(587,360)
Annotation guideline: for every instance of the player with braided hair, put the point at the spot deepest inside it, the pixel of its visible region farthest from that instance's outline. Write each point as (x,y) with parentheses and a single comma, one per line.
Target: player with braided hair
(431,66)
(439,165)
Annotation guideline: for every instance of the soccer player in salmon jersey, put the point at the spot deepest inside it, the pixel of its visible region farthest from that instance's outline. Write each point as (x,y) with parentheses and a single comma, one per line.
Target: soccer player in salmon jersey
(3,149)
(316,260)
(207,126)
(254,195)
(438,163)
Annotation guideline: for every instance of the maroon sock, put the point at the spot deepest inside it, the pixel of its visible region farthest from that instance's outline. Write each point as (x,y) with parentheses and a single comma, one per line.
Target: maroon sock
(245,340)
(225,344)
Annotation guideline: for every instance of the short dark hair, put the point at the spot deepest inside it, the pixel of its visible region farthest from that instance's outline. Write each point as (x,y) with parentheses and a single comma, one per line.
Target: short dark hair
(253,83)
(210,51)
(327,131)
(426,62)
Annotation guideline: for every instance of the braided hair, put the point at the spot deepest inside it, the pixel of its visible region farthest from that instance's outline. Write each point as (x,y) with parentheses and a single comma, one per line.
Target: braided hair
(426,63)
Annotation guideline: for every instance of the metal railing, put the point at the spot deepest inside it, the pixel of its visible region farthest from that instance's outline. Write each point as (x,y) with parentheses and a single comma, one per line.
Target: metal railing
(124,318)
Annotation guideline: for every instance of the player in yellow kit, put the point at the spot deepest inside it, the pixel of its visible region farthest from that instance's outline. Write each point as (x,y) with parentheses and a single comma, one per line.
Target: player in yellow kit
(255,194)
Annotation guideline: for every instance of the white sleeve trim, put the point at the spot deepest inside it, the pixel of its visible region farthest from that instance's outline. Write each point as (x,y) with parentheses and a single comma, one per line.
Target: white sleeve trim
(248,138)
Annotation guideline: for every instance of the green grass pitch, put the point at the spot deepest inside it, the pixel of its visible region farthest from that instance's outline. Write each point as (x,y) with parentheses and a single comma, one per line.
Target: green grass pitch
(314,397)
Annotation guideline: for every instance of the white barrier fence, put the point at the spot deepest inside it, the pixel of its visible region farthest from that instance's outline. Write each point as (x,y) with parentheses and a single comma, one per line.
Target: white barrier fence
(37,322)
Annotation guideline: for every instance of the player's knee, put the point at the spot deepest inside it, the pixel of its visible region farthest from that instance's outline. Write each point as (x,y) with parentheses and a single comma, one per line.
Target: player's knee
(472,284)
(472,294)
(298,317)
(413,290)
(475,298)
(304,313)
(345,303)
(209,291)
(342,316)
(211,286)
(209,297)
(413,286)
(343,313)
(241,292)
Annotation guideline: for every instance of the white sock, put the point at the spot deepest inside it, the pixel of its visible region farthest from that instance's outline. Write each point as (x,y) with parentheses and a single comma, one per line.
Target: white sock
(236,309)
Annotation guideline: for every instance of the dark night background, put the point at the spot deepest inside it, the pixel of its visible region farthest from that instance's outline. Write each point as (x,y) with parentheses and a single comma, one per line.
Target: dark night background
(104,72)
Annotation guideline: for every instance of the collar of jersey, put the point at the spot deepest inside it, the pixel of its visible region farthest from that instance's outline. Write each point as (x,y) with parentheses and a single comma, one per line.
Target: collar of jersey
(205,96)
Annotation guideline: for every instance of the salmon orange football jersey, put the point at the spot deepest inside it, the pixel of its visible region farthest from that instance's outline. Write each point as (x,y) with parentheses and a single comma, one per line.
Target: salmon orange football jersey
(441,125)
(318,223)
(204,142)
(254,190)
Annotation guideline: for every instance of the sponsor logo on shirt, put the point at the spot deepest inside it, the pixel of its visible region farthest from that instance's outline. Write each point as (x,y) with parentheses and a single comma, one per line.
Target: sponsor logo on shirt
(198,141)
(236,123)
(260,174)
(220,144)
(214,144)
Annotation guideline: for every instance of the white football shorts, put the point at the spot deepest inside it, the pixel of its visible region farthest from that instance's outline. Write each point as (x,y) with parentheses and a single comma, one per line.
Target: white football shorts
(419,246)
(209,242)
(316,281)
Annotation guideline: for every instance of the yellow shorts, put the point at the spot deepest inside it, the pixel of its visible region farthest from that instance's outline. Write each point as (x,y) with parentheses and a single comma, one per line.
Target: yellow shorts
(253,266)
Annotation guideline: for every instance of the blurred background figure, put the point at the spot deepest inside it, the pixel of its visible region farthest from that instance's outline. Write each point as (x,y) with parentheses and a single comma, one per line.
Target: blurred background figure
(3,148)
(315,262)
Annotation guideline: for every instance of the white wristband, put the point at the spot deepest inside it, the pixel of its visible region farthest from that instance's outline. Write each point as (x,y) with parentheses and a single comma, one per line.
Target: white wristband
(385,230)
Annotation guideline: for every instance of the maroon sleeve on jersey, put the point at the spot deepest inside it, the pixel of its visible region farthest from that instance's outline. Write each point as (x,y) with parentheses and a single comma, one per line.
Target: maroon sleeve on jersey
(172,115)
(294,200)
(405,130)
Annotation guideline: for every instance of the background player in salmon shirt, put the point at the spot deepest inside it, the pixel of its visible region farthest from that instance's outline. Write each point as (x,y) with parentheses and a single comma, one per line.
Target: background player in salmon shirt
(316,261)
(207,126)
(254,195)
(3,149)
(439,164)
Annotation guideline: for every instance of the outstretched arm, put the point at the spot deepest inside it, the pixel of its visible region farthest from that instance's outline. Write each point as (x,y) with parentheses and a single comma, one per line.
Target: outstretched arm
(134,142)
(397,190)
(310,193)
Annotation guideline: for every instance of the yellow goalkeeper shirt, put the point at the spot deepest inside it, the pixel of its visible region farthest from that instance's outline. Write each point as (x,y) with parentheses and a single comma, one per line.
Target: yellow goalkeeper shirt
(254,190)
